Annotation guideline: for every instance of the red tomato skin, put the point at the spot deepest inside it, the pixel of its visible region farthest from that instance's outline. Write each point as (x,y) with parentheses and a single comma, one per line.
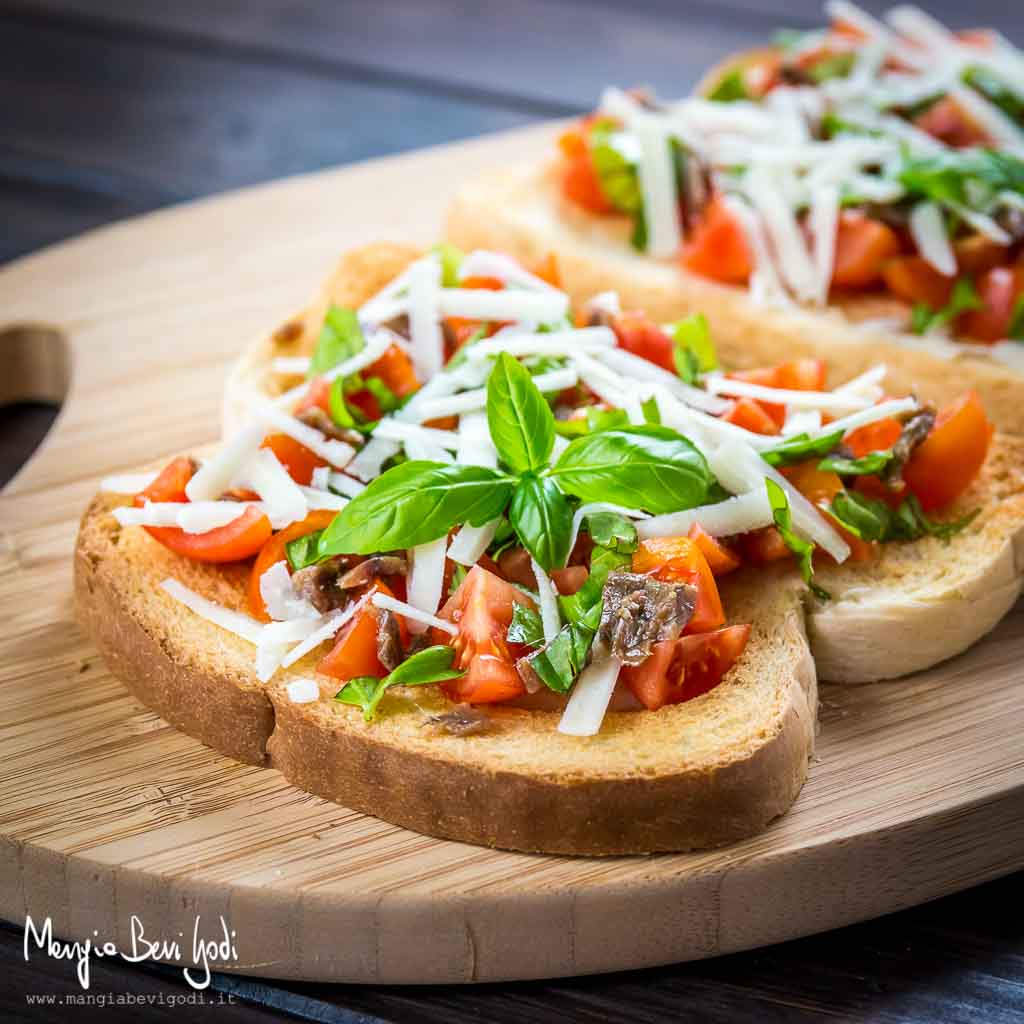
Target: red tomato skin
(296,458)
(717,247)
(763,546)
(879,436)
(639,335)
(234,542)
(317,396)
(999,290)
(680,560)
(679,670)
(947,461)
(395,370)
(274,551)
(354,652)
(912,279)
(582,186)
(721,559)
(863,247)
(750,414)
(948,122)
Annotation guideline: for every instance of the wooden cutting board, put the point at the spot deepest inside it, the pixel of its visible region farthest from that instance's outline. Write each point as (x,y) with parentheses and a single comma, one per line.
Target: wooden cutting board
(917,788)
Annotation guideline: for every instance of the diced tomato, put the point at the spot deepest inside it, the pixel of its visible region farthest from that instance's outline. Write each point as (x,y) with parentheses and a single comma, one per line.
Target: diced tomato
(296,458)
(948,122)
(816,486)
(516,567)
(879,436)
(764,546)
(720,558)
(169,485)
(394,369)
(801,375)
(717,246)
(982,38)
(945,463)
(999,290)
(680,560)
(682,669)
(638,334)
(274,551)
(581,184)
(863,247)
(482,609)
(912,279)
(238,540)
(482,281)
(568,580)
(751,415)
(317,396)
(848,29)
(354,652)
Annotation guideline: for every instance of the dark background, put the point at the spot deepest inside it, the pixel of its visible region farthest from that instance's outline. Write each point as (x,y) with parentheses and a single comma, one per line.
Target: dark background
(109,109)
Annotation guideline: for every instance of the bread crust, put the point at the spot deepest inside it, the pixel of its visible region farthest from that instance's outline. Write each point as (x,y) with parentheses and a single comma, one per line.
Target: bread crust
(522,786)
(521,212)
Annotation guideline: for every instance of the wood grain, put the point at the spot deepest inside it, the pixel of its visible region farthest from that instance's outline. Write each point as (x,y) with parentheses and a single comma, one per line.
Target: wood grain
(105,811)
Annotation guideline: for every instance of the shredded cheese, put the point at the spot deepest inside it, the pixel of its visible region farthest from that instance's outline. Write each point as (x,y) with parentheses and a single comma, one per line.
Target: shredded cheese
(827,401)
(589,699)
(283,500)
(548,600)
(283,604)
(928,230)
(303,691)
(509,304)
(234,622)
(471,542)
(483,263)
(127,483)
(738,514)
(412,614)
(193,517)
(426,578)
(337,453)
(214,477)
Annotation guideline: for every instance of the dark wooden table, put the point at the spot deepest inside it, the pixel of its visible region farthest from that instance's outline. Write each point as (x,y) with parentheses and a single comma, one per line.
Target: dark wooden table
(109,109)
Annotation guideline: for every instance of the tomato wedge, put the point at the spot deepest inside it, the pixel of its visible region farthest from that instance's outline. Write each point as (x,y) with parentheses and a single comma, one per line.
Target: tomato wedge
(639,335)
(945,463)
(912,279)
(1000,290)
(274,551)
(296,458)
(679,670)
(482,609)
(717,246)
(720,558)
(239,539)
(948,122)
(395,370)
(581,184)
(818,487)
(680,560)
(316,396)
(764,546)
(752,415)
(879,436)
(796,375)
(863,247)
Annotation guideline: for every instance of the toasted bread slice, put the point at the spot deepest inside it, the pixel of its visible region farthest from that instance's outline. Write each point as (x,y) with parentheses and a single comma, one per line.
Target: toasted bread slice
(693,775)
(522,212)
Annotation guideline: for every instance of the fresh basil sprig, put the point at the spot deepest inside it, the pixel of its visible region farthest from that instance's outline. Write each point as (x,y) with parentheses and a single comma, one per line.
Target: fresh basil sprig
(592,420)
(800,448)
(434,665)
(694,351)
(649,467)
(521,423)
(542,518)
(341,337)
(526,626)
(414,503)
(611,530)
(871,519)
(803,549)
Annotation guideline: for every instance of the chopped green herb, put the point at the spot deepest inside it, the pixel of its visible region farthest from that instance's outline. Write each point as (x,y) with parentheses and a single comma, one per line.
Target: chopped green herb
(871,519)
(800,448)
(969,177)
(867,465)
(994,88)
(652,414)
(694,351)
(340,412)
(559,663)
(964,298)
(434,665)
(579,606)
(1015,332)
(451,262)
(837,65)
(341,337)
(803,549)
(611,530)
(594,419)
(526,627)
(303,550)
(730,87)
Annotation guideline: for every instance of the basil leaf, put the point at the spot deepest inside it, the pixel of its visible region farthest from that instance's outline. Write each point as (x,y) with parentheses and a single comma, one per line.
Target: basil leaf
(836,66)
(594,419)
(694,334)
(579,606)
(386,398)
(803,549)
(971,177)
(618,177)
(867,518)
(413,503)
(963,298)
(341,337)
(650,467)
(526,626)
(559,663)
(451,257)
(611,530)
(432,665)
(867,465)
(800,448)
(911,522)
(542,518)
(364,692)
(459,573)
(340,412)
(521,424)
(652,414)
(730,87)
(303,550)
